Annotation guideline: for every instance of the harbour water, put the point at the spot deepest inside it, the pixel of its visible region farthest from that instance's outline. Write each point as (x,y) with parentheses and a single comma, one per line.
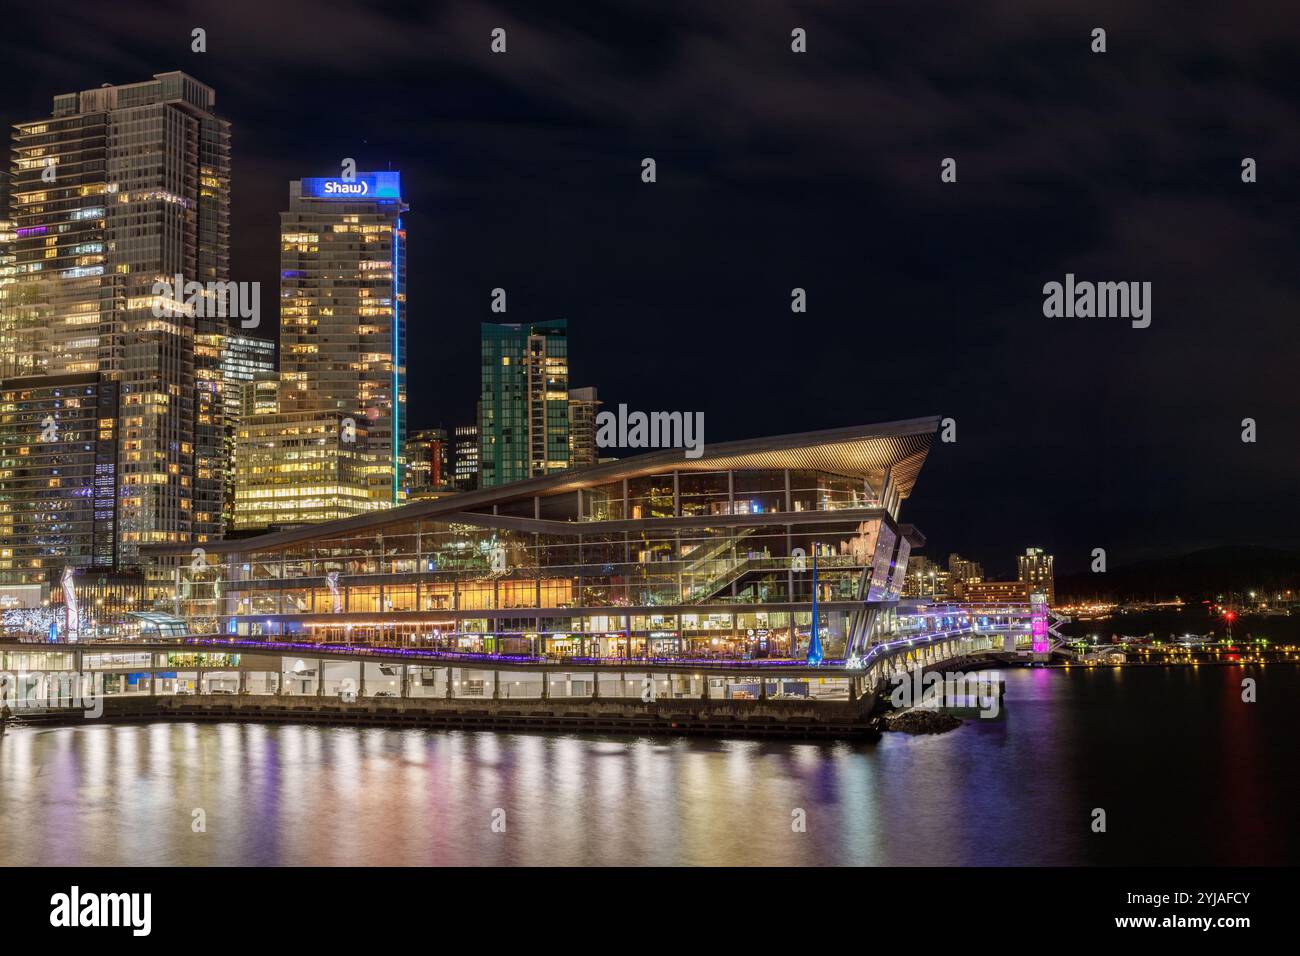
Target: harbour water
(1186,772)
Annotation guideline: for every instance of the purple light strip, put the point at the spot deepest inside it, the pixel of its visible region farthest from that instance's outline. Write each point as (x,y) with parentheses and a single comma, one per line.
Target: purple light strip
(363,651)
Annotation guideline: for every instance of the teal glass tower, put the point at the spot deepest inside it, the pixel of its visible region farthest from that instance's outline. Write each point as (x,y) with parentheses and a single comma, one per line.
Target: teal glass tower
(523,409)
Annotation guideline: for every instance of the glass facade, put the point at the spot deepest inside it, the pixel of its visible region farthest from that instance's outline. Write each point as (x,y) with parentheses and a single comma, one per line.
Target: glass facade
(296,468)
(523,411)
(621,560)
(58,476)
(244,359)
(466,460)
(132,163)
(428,462)
(584,405)
(343,318)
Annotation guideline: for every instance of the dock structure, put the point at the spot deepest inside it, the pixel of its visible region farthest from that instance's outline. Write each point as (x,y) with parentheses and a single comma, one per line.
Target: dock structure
(221,679)
(757,585)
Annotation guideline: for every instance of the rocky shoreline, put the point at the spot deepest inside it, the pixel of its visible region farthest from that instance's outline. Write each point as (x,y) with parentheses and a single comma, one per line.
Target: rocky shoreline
(920,722)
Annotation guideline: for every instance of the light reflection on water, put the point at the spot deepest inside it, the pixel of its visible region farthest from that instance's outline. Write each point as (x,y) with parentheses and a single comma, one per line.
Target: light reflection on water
(1185,771)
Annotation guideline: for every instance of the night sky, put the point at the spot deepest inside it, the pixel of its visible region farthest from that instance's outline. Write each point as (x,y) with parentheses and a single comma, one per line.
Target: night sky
(821,170)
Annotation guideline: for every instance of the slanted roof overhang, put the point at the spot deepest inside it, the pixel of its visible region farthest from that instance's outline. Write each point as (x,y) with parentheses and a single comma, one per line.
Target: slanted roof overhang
(862,451)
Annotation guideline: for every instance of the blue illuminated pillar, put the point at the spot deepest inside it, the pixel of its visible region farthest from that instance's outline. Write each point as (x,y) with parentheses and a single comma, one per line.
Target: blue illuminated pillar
(399,360)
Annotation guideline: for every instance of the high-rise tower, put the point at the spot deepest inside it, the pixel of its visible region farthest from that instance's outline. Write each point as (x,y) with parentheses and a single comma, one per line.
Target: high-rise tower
(523,410)
(1037,571)
(343,314)
(119,188)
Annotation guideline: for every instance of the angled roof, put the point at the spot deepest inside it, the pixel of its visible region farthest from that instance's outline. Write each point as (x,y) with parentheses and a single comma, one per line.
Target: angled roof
(862,451)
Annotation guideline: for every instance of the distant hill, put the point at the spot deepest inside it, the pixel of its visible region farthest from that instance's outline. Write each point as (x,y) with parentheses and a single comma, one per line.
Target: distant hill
(1195,575)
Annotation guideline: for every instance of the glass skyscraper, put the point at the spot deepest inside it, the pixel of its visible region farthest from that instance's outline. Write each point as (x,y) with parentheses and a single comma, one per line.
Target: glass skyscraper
(523,411)
(583,408)
(465,463)
(1037,572)
(119,188)
(428,463)
(244,359)
(295,468)
(343,316)
(58,476)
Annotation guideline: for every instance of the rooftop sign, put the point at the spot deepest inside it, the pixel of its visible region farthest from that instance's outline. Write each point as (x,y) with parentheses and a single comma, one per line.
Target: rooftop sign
(387,185)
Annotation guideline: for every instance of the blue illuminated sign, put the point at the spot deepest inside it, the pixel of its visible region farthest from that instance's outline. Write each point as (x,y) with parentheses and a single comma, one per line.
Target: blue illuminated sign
(387,185)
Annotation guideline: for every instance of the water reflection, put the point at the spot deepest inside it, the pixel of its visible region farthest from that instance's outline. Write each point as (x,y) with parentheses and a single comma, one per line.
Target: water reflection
(1186,772)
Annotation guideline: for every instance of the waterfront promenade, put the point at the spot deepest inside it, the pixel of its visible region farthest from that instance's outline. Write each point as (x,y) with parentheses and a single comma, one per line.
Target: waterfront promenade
(207,677)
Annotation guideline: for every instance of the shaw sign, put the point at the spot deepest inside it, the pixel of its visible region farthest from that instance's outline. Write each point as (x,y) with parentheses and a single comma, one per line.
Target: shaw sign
(339,187)
(385,185)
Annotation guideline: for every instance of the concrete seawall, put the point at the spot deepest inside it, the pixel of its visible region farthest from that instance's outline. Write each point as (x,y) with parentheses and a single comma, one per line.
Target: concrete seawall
(825,720)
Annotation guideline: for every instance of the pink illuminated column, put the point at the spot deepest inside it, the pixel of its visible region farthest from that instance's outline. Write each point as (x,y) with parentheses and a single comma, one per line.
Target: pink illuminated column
(1038,622)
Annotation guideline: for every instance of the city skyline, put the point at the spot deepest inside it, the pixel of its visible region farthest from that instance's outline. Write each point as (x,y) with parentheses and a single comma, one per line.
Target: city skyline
(497,205)
(787,434)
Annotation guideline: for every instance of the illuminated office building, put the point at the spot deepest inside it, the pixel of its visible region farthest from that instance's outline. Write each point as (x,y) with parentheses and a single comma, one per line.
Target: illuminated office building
(428,463)
(8,270)
(925,580)
(58,476)
(260,396)
(121,187)
(244,358)
(964,571)
(343,316)
(523,410)
(466,458)
(583,407)
(992,592)
(653,555)
(1036,572)
(296,467)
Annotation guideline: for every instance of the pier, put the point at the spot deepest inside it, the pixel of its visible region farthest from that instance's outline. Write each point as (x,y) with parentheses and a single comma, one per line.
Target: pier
(212,678)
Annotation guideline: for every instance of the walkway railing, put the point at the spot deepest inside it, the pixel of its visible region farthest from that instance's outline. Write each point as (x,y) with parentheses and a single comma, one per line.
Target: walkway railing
(866,666)
(461,657)
(884,649)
